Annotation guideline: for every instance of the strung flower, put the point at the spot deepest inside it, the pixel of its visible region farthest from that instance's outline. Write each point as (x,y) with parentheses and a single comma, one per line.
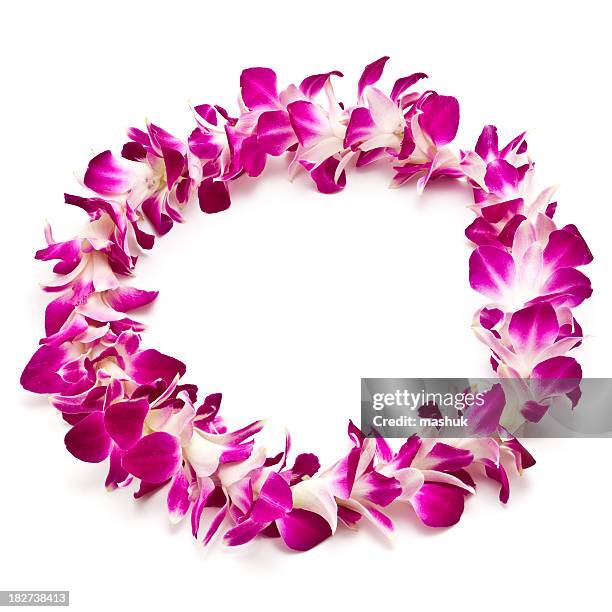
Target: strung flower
(533,344)
(497,175)
(426,471)
(540,266)
(424,150)
(378,127)
(156,174)
(273,511)
(366,490)
(320,132)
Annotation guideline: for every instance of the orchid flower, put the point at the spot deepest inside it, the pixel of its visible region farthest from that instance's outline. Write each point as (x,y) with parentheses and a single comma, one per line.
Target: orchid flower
(424,148)
(540,266)
(156,174)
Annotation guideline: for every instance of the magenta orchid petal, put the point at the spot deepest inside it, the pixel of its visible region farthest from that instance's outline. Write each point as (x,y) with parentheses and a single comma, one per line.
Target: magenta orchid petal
(41,374)
(556,376)
(487,146)
(446,458)
(213,196)
(274,132)
(56,314)
(523,458)
(566,249)
(440,119)
(174,161)
(533,328)
(258,88)
(206,488)
(108,176)
(124,421)
(154,458)
(274,500)
(348,517)
(371,74)
(502,210)
(88,440)
(309,122)
(178,497)
(215,524)
(381,520)
(481,232)
(305,464)
(342,475)
(204,145)
(150,365)
(492,272)
(438,505)
(490,317)
(117,476)
(502,177)
(404,83)
(376,488)
(253,157)
(125,299)
(568,284)
(533,412)
(361,127)
(406,454)
(484,419)
(243,532)
(153,209)
(324,177)
(499,475)
(302,530)
(313,84)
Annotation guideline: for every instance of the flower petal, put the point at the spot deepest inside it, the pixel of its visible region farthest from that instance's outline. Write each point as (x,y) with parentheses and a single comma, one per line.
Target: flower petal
(274,132)
(125,299)
(154,458)
(324,176)
(124,421)
(274,499)
(566,249)
(309,122)
(150,365)
(440,119)
(258,88)
(213,196)
(88,440)
(492,272)
(178,497)
(313,84)
(438,505)
(371,74)
(106,175)
(556,376)
(302,530)
(533,328)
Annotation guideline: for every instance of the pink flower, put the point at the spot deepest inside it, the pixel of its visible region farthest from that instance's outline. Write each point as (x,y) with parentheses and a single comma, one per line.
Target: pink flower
(434,121)
(156,174)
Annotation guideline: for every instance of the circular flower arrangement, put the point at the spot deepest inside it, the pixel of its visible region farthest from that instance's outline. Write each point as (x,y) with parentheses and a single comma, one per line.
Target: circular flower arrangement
(131,406)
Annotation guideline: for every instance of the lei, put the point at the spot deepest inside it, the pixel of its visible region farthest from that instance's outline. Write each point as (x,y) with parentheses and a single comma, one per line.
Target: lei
(131,405)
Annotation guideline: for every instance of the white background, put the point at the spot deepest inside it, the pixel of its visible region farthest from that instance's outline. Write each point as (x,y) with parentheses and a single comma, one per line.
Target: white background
(286,300)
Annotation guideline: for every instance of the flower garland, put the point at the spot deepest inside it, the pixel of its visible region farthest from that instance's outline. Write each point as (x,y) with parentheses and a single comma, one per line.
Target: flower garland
(131,406)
